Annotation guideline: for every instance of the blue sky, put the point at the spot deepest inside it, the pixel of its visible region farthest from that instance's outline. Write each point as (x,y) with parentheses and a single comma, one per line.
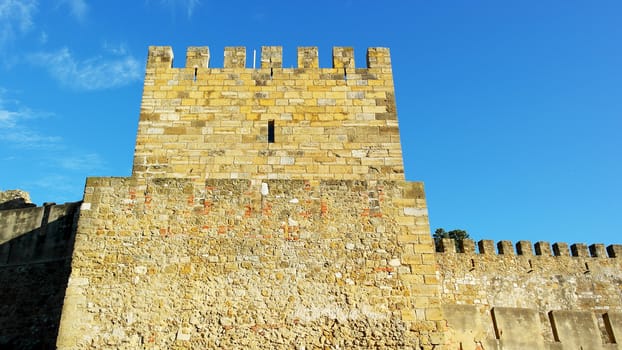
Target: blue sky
(510,111)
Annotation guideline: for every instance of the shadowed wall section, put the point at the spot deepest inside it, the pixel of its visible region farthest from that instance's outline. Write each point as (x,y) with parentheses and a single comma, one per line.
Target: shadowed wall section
(35,255)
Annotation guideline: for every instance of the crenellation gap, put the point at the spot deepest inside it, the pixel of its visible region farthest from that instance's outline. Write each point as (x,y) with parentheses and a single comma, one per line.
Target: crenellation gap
(560,249)
(505,248)
(543,248)
(614,250)
(598,250)
(579,250)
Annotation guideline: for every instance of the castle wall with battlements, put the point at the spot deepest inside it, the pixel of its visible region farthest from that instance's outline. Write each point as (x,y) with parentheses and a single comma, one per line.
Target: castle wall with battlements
(538,296)
(267,208)
(271,122)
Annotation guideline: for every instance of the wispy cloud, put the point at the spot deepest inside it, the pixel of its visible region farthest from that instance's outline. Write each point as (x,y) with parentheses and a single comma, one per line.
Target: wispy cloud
(95,73)
(24,138)
(16,18)
(14,129)
(53,163)
(78,8)
(81,162)
(187,5)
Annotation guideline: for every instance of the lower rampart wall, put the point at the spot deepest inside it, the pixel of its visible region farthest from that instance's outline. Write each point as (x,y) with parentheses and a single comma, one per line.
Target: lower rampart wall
(539,297)
(35,258)
(252,264)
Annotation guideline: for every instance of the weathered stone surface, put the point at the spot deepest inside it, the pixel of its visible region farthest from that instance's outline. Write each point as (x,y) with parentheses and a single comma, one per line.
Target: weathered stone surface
(226,257)
(267,208)
(263,211)
(35,253)
(15,199)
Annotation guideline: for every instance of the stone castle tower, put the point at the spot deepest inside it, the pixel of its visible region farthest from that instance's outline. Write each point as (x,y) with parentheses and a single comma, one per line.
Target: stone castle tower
(268,208)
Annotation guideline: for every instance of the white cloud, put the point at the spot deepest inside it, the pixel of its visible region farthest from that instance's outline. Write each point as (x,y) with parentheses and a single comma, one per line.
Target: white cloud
(43,37)
(115,49)
(78,8)
(81,162)
(14,129)
(16,133)
(8,118)
(29,139)
(53,165)
(92,74)
(60,188)
(187,5)
(15,19)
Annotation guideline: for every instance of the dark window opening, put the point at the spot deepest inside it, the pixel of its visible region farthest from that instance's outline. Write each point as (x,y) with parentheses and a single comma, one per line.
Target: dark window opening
(195,73)
(270,131)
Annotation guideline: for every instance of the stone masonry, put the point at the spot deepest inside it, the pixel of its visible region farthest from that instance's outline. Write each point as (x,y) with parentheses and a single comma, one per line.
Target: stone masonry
(268,209)
(36,244)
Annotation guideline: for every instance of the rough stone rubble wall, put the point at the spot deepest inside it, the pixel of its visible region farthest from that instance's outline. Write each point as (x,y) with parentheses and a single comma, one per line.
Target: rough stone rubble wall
(35,255)
(574,295)
(246,263)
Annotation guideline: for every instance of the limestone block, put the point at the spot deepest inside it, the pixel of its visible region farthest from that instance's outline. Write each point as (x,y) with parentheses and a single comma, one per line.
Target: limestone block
(343,57)
(197,57)
(576,329)
(614,321)
(160,57)
(235,57)
(466,329)
(517,329)
(308,57)
(271,56)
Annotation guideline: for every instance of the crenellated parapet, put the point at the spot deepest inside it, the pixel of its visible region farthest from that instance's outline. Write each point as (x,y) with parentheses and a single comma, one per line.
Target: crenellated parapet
(526,248)
(541,276)
(271,57)
(268,122)
(197,57)
(235,57)
(160,57)
(343,57)
(476,328)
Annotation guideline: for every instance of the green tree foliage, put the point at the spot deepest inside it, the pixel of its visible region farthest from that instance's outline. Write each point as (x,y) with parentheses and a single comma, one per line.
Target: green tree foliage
(457,235)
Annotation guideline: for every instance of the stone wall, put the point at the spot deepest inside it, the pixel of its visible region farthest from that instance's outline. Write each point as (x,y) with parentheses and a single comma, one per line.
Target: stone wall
(35,254)
(536,297)
(267,208)
(523,328)
(271,122)
(15,199)
(249,263)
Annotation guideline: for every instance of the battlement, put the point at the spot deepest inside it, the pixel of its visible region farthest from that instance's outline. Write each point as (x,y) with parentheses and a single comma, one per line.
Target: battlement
(541,276)
(270,122)
(271,57)
(525,248)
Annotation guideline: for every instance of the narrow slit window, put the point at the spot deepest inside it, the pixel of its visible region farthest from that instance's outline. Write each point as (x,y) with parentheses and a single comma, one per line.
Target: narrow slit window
(195,73)
(270,131)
